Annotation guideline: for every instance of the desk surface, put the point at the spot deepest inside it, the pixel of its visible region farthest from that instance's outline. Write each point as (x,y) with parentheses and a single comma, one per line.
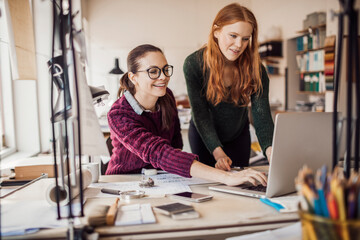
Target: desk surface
(224,216)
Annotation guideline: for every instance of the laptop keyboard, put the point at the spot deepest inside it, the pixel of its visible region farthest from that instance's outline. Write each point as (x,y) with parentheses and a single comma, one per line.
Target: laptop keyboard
(259,188)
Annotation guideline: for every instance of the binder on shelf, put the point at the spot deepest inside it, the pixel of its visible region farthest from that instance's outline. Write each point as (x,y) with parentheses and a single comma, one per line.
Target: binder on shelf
(329,57)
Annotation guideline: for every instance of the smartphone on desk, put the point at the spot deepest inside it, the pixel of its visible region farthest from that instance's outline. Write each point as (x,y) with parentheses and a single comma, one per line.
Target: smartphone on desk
(190,196)
(173,208)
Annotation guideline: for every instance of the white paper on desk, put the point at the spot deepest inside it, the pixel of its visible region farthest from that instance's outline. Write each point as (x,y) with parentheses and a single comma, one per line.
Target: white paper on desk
(173,178)
(4,191)
(290,203)
(134,214)
(21,216)
(159,190)
(291,232)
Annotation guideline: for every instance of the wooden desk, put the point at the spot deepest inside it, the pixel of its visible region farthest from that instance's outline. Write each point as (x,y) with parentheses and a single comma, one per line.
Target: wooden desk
(224,216)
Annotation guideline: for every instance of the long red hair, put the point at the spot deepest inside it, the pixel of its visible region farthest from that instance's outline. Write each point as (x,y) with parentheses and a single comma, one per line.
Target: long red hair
(247,69)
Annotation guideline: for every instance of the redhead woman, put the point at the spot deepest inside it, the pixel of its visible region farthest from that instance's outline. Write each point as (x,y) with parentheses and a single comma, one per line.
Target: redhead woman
(222,79)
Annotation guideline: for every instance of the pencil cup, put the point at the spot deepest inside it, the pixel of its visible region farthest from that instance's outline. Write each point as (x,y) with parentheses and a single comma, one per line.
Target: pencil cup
(317,227)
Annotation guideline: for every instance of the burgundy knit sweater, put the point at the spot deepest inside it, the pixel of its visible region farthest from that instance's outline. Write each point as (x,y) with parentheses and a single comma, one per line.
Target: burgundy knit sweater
(140,142)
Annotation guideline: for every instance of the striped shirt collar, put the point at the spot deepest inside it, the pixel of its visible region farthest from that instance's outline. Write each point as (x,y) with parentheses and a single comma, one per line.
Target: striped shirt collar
(135,104)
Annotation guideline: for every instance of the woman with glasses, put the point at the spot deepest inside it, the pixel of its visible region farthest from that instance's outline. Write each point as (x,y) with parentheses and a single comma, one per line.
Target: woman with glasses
(222,79)
(145,128)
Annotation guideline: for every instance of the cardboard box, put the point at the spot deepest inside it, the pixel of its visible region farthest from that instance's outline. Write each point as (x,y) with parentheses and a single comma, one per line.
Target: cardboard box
(34,171)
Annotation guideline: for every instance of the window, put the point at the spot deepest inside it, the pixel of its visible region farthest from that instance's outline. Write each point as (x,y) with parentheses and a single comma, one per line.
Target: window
(7,141)
(2,139)
(2,135)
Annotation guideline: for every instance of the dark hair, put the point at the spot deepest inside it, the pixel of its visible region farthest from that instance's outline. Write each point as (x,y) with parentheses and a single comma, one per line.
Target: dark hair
(166,103)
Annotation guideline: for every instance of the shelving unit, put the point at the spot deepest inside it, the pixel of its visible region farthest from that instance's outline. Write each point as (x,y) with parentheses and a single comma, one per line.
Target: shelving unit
(309,50)
(306,31)
(271,55)
(311,93)
(305,66)
(308,72)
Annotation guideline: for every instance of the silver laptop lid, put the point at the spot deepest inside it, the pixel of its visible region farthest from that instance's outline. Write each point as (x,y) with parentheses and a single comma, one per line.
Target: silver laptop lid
(299,138)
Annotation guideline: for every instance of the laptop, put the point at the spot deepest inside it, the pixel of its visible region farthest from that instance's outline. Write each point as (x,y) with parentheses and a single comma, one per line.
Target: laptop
(299,138)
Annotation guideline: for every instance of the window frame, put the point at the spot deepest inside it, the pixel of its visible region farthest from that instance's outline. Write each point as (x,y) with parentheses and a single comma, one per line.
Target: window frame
(8,145)
(7,114)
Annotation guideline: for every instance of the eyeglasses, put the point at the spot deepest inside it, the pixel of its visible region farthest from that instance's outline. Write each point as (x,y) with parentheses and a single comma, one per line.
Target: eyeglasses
(155,72)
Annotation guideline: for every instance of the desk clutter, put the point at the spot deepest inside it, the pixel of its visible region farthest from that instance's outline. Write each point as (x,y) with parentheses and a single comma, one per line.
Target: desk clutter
(331,209)
(122,215)
(103,214)
(125,210)
(135,214)
(110,214)
(142,213)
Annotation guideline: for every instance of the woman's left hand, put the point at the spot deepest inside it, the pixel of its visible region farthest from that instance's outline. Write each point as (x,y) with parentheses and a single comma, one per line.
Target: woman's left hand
(223,163)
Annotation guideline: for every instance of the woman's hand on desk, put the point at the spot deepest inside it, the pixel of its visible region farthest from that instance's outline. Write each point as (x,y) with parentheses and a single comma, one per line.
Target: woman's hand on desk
(248,175)
(223,162)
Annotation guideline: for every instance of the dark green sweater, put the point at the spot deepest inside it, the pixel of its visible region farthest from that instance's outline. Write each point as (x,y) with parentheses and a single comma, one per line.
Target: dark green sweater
(224,122)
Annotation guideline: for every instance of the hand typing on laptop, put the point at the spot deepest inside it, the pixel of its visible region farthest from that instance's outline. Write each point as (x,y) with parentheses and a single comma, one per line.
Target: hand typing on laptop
(248,175)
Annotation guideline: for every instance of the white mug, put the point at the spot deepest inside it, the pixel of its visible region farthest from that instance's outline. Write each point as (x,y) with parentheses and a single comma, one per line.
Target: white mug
(94,169)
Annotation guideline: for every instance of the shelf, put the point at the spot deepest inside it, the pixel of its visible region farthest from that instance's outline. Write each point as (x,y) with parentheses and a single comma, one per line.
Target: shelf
(309,50)
(310,93)
(275,75)
(271,57)
(269,41)
(308,72)
(306,31)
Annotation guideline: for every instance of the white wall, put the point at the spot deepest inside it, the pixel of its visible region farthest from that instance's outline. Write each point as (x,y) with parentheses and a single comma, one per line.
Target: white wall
(177,27)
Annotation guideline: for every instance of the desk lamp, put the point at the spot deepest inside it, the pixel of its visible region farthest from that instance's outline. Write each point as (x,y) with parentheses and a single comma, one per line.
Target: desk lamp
(61,82)
(98,94)
(116,69)
(72,116)
(114,81)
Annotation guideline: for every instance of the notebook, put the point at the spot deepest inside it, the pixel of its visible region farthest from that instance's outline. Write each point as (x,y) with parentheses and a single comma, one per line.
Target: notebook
(299,138)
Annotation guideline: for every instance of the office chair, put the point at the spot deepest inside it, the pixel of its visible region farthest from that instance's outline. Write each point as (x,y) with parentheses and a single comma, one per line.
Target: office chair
(110,148)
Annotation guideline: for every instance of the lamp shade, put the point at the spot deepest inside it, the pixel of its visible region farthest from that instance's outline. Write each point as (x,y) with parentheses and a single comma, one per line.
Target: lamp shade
(98,94)
(116,69)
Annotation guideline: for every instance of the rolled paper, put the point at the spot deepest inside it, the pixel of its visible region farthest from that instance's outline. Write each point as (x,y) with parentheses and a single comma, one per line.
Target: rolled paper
(64,191)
